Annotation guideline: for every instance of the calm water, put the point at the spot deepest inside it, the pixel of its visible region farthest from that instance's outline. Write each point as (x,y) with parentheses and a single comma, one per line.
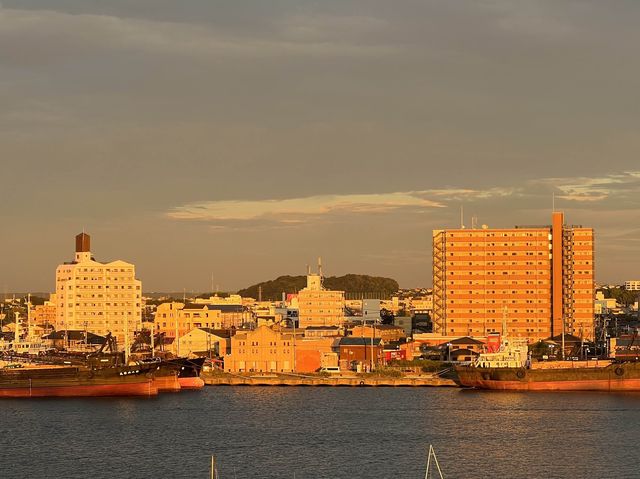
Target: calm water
(323,433)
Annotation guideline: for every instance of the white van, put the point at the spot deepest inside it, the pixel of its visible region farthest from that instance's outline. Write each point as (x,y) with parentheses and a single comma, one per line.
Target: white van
(330,369)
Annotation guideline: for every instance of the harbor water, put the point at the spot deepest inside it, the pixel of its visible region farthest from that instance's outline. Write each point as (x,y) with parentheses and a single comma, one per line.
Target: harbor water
(316,432)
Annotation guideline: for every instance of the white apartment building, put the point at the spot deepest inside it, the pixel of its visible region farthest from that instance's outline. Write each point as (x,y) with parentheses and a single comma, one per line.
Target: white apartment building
(632,285)
(98,297)
(319,306)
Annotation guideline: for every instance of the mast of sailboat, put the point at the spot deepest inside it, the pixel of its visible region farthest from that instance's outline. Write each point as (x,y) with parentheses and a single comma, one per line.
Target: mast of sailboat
(432,453)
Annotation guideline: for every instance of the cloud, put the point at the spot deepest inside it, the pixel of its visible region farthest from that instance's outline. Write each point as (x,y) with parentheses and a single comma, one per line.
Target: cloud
(525,17)
(296,211)
(323,27)
(42,36)
(595,189)
(292,212)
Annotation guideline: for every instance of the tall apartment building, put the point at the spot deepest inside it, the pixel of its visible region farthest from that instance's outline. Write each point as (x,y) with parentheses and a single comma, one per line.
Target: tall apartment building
(536,277)
(318,306)
(98,297)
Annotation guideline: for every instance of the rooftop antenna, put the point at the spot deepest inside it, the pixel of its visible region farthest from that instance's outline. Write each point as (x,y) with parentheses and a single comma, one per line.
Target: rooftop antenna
(319,266)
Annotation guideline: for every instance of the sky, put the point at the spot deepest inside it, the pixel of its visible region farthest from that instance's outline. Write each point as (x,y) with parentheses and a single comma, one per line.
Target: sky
(230,142)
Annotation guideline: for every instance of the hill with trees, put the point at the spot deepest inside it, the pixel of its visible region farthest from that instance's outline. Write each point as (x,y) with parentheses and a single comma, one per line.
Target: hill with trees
(351,283)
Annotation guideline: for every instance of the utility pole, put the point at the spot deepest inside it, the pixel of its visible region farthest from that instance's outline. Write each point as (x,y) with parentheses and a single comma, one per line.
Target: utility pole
(563,323)
(126,341)
(294,344)
(153,346)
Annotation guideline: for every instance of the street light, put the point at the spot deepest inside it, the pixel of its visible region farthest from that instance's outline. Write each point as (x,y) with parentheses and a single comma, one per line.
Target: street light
(448,352)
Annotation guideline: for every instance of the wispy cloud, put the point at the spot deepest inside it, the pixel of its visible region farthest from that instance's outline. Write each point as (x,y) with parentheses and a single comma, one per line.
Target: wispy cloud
(295,211)
(593,189)
(290,212)
(44,35)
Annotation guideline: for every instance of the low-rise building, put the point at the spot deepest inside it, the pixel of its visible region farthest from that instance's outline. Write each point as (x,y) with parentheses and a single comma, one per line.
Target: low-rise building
(177,319)
(323,331)
(359,350)
(404,322)
(461,349)
(387,332)
(204,342)
(268,349)
(261,350)
(45,314)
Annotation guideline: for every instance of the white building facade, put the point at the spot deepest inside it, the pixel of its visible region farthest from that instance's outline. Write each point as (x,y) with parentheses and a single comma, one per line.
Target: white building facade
(98,297)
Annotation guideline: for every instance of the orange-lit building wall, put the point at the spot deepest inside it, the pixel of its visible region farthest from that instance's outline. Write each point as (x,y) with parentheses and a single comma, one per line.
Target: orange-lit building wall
(556,271)
(532,276)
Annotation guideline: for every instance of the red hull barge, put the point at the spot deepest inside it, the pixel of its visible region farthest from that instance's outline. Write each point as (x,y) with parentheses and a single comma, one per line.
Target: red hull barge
(167,381)
(76,382)
(614,377)
(191,383)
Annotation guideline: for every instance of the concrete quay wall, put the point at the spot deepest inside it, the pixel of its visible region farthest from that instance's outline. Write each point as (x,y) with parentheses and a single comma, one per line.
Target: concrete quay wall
(348,381)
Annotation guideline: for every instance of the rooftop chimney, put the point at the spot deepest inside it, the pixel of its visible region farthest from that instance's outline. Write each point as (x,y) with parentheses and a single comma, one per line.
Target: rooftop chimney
(83,243)
(83,247)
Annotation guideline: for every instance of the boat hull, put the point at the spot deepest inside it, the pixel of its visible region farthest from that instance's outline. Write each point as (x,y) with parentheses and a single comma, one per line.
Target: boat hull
(166,380)
(191,383)
(145,388)
(188,371)
(616,377)
(76,382)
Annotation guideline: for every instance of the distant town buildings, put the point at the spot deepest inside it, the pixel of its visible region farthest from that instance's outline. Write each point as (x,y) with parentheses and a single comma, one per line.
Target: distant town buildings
(45,314)
(319,306)
(533,277)
(97,297)
(177,319)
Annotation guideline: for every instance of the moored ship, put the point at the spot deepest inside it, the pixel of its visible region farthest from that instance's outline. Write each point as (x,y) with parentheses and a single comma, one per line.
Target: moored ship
(76,381)
(511,369)
(188,371)
(558,377)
